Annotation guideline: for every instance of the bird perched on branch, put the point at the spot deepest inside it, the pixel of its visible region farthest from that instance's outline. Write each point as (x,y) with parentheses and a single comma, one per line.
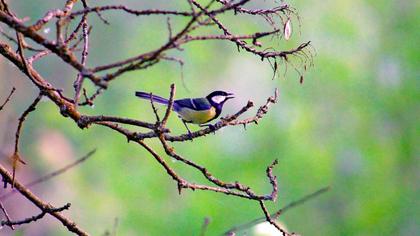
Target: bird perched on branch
(194,110)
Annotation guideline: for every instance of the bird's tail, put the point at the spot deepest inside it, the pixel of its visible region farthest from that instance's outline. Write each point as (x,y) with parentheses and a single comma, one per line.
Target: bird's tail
(155,98)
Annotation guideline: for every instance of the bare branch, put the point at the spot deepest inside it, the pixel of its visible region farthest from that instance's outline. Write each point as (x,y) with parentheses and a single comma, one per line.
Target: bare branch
(16,157)
(66,47)
(58,13)
(273,179)
(63,52)
(182,183)
(8,98)
(271,220)
(85,121)
(6,215)
(300,201)
(78,84)
(170,104)
(70,225)
(25,45)
(240,9)
(52,174)
(282,210)
(130,11)
(28,220)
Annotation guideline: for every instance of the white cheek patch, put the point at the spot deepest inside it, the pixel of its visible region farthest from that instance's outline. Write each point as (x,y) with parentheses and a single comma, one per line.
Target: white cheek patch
(218,99)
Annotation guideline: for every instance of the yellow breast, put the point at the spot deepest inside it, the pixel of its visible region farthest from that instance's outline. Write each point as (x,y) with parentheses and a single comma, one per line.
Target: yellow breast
(197,117)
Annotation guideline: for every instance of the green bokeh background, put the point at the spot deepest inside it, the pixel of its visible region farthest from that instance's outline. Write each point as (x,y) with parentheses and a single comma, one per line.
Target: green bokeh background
(351,125)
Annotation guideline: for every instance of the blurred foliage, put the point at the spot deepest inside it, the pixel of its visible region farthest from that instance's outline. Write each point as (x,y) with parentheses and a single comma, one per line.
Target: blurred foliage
(352,125)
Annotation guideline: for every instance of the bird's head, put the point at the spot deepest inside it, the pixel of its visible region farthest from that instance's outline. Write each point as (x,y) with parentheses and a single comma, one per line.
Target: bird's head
(219,97)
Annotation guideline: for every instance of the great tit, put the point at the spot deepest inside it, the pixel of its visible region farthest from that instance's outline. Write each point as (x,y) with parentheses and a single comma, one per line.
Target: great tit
(194,110)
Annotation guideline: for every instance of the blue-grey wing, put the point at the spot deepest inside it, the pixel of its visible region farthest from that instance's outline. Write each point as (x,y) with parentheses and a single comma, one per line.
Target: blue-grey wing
(198,104)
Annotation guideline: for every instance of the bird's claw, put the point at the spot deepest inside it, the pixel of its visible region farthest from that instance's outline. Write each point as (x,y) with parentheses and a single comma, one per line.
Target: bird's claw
(211,127)
(190,136)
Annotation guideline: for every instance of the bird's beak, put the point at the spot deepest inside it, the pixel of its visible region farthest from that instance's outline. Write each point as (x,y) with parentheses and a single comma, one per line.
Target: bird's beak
(230,96)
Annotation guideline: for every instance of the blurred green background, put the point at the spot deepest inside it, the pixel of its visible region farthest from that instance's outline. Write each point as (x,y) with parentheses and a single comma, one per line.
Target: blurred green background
(352,125)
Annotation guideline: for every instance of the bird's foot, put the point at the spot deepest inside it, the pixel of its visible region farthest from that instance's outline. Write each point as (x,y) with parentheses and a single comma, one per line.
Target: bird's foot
(190,136)
(211,127)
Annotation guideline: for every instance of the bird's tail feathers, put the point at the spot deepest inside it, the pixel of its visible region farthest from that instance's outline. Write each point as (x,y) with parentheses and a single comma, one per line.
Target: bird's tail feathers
(155,98)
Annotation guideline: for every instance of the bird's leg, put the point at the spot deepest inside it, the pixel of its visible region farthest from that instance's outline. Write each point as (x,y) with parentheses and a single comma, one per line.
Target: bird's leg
(211,127)
(189,132)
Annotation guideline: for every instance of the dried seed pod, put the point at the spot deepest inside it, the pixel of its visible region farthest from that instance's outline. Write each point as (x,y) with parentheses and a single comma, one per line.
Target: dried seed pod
(287,30)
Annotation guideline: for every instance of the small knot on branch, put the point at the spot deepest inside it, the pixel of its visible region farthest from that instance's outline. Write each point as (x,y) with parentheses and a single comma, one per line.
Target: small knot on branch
(64,110)
(181,184)
(83,122)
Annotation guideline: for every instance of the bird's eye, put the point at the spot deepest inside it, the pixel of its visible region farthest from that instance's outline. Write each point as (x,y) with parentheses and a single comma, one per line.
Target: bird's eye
(218,99)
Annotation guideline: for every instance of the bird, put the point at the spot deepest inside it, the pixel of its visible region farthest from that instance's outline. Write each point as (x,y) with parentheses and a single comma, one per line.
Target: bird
(194,110)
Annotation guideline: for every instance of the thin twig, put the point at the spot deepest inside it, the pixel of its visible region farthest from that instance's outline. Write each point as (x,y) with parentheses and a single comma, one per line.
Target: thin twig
(52,174)
(8,98)
(6,215)
(128,10)
(170,105)
(271,220)
(78,84)
(300,201)
(281,211)
(16,157)
(28,220)
(70,225)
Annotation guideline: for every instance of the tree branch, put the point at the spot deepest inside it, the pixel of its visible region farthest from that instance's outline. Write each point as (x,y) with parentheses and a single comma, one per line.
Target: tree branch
(28,220)
(44,207)
(6,215)
(16,157)
(51,175)
(65,47)
(8,98)
(281,211)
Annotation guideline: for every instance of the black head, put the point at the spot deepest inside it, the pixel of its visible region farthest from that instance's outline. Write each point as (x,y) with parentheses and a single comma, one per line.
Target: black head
(219,97)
